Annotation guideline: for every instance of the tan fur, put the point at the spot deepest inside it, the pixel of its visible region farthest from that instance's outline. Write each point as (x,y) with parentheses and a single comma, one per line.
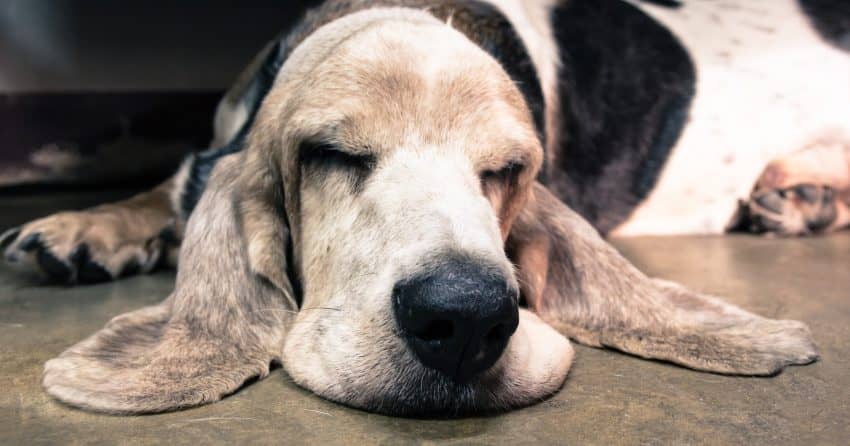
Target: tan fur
(115,235)
(220,327)
(434,112)
(826,161)
(531,18)
(593,295)
(823,169)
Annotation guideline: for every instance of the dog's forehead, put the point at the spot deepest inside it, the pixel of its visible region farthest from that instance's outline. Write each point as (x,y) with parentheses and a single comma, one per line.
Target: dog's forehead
(399,84)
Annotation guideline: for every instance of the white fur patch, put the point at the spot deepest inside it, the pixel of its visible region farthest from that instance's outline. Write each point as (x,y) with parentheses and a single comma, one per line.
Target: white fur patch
(768,85)
(229,119)
(180,180)
(532,21)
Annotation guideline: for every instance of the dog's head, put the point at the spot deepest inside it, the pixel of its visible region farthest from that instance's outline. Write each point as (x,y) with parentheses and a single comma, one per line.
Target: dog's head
(375,237)
(402,169)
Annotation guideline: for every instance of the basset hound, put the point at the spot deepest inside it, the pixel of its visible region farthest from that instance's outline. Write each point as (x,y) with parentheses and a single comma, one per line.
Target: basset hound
(405,202)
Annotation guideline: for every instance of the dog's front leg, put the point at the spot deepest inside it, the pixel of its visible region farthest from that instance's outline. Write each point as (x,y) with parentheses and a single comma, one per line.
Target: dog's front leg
(97,244)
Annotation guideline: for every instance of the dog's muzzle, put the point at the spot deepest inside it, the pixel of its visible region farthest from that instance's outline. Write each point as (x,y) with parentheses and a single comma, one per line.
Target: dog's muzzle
(458,318)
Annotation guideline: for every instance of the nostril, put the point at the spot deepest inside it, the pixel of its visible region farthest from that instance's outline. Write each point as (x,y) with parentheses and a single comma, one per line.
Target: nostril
(496,334)
(436,331)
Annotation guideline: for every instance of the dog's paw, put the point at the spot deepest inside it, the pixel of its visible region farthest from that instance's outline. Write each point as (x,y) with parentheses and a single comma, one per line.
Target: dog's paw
(798,210)
(84,247)
(766,347)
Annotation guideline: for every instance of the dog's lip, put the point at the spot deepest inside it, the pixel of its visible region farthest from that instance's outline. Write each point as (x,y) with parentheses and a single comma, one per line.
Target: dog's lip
(469,366)
(533,366)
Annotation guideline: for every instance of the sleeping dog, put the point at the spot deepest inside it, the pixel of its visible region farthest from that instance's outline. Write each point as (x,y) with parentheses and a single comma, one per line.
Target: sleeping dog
(404,202)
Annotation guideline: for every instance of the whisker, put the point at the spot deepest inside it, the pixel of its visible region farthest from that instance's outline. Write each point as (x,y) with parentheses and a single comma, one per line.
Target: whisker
(275,309)
(296,312)
(322,308)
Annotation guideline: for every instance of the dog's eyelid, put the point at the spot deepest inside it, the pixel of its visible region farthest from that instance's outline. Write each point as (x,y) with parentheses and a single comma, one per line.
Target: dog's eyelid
(322,150)
(509,170)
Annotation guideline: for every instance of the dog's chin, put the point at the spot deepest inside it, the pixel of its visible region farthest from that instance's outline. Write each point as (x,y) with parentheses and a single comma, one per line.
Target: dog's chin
(533,367)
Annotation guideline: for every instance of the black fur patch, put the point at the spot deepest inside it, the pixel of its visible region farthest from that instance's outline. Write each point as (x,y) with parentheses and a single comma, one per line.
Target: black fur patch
(482,23)
(831,18)
(200,167)
(499,39)
(667,3)
(626,85)
(202,164)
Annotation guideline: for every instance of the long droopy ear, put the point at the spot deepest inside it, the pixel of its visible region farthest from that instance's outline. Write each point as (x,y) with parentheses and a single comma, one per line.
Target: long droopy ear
(223,324)
(585,289)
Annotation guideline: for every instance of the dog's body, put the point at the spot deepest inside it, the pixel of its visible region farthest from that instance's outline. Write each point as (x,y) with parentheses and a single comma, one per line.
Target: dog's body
(649,124)
(614,89)
(385,157)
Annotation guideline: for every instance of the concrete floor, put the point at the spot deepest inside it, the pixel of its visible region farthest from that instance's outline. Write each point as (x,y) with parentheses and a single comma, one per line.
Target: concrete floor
(609,398)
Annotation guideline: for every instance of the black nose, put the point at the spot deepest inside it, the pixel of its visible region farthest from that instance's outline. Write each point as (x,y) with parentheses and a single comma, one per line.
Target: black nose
(457,319)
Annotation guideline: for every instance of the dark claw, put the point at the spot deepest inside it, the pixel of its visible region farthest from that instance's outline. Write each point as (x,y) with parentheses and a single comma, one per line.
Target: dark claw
(8,237)
(130,269)
(88,271)
(31,242)
(54,268)
(771,201)
(808,192)
(91,272)
(79,255)
(826,215)
(761,223)
(169,236)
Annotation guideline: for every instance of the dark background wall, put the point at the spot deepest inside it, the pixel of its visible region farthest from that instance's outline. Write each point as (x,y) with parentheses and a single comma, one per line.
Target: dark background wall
(116,92)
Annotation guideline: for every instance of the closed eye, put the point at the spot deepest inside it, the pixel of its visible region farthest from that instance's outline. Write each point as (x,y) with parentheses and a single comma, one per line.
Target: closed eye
(330,156)
(507,175)
(321,162)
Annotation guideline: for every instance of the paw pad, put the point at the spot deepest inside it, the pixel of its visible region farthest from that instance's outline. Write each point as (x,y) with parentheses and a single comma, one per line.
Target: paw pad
(796,210)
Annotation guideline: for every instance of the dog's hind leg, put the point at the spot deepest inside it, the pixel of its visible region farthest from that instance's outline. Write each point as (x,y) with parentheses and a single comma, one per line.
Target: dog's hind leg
(580,285)
(803,193)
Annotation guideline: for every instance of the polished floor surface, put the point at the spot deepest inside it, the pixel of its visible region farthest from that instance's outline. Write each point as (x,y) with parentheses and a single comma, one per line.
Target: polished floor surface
(609,398)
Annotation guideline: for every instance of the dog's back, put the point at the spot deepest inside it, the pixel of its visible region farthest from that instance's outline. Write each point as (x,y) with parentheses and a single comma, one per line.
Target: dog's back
(656,119)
